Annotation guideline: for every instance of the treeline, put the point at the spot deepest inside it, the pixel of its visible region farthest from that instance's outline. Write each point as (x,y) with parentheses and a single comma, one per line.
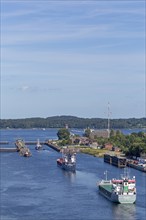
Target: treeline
(72,122)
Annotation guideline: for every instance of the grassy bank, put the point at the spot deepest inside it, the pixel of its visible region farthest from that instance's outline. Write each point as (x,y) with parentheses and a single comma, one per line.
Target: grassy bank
(93,152)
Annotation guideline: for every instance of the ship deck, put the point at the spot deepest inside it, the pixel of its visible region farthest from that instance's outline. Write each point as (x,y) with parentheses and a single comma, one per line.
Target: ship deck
(107,187)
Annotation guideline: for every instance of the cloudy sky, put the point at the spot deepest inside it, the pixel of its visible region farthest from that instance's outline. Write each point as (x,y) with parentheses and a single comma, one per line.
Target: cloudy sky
(72,58)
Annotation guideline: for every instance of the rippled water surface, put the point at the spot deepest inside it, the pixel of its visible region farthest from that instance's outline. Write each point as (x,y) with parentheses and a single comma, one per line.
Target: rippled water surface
(36,189)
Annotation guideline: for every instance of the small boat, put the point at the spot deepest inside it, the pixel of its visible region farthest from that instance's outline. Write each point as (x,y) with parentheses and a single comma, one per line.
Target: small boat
(38,145)
(119,190)
(68,160)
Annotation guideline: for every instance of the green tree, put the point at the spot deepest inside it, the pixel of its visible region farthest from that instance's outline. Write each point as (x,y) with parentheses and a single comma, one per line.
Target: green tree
(112,133)
(87,132)
(141,134)
(63,134)
(118,133)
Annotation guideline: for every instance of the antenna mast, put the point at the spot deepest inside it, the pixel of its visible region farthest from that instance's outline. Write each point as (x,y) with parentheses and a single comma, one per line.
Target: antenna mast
(105,175)
(108,126)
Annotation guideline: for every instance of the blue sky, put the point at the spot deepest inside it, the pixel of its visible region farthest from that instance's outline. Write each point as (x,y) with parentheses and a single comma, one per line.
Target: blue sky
(72,58)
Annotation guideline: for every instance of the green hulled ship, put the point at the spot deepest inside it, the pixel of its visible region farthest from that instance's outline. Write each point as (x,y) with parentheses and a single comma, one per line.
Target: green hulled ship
(119,190)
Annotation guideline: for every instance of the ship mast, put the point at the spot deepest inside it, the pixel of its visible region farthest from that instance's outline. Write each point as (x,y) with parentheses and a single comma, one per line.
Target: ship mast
(105,175)
(108,125)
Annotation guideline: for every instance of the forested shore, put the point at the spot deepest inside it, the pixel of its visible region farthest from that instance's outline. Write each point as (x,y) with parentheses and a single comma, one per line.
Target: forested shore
(72,122)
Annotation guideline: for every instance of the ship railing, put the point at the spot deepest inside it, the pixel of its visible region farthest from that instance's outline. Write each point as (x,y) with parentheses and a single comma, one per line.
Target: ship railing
(106,181)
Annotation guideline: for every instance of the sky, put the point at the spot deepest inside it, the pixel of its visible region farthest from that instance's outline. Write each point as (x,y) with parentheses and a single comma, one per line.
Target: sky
(79,58)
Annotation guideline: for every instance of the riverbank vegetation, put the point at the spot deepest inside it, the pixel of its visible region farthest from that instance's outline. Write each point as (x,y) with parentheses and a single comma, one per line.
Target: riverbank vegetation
(93,152)
(133,144)
(72,122)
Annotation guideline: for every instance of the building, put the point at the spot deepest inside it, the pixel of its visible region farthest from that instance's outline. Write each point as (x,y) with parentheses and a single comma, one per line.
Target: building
(108,146)
(99,133)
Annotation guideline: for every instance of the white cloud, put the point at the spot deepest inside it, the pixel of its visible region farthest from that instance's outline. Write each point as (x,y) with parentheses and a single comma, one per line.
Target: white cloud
(24,88)
(68,21)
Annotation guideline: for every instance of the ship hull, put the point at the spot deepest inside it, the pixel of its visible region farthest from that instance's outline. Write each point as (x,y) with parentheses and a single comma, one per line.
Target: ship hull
(67,166)
(38,147)
(123,199)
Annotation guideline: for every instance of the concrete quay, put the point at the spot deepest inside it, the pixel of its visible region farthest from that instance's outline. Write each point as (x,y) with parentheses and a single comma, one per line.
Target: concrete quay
(8,149)
(53,146)
(4,142)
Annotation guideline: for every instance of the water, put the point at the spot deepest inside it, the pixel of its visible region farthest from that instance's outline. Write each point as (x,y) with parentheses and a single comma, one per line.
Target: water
(36,189)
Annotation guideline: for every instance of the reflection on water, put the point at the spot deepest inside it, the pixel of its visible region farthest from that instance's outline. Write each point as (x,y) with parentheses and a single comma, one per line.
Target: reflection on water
(69,175)
(86,179)
(124,211)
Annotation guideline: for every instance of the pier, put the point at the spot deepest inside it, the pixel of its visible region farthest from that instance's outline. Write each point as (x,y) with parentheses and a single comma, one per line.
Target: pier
(4,142)
(34,142)
(53,146)
(22,146)
(119,161)
(49,143)
(8,149)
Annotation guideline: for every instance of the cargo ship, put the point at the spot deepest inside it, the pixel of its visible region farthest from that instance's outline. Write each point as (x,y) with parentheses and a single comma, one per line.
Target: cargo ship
(121,190)
(68,160)
(119,161)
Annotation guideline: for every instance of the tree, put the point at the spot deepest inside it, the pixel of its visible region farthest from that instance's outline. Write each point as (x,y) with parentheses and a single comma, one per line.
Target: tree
(141,134)
(112,133)
(118,133)
(87,132)
(63,134)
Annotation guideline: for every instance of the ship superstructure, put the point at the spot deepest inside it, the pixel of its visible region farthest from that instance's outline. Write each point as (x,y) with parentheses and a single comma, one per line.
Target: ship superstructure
(68,160)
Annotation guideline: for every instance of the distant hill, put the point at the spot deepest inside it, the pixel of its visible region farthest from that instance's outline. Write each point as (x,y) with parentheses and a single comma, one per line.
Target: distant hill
(72,122)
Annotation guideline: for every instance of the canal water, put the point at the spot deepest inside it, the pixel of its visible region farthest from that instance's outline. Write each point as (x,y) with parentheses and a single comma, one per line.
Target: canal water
(36,189)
